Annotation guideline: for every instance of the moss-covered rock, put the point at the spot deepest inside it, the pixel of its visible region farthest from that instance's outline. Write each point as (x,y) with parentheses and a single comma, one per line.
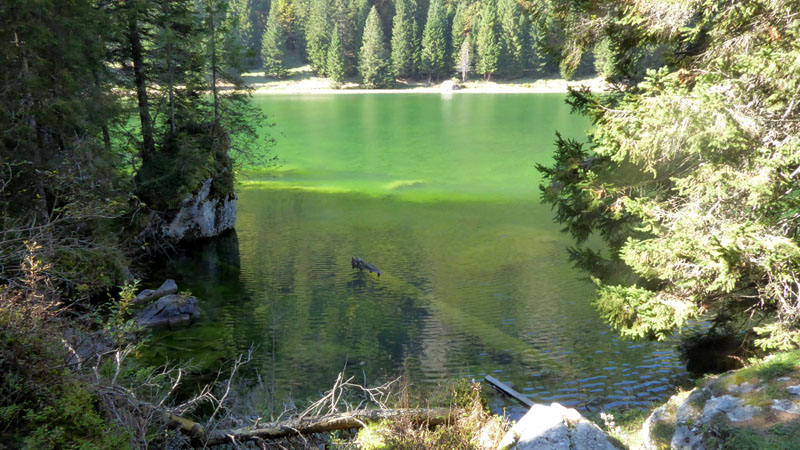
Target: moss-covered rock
(757,407)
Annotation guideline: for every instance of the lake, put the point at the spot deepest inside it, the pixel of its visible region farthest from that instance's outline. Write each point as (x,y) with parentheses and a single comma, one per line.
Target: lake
(441,194)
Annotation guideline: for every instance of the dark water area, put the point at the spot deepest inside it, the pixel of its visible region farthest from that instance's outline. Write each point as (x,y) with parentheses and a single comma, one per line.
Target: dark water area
(441,195)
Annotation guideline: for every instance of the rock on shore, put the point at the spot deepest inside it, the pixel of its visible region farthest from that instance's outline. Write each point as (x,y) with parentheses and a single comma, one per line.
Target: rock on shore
(555,427)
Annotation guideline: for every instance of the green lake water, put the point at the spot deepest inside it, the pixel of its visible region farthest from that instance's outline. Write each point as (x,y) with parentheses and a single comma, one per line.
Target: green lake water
(441,194)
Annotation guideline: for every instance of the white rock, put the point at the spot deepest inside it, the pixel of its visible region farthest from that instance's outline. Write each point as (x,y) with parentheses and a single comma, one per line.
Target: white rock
(794,390)
(786,406)
(733,407)
(201,217)
(555,427)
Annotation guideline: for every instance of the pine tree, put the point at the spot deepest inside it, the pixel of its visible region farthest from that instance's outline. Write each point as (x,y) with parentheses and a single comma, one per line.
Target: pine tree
(434,43)
(488,42)
(512,38)
(373,61)
(273,44)
(335,64)
(238,21)
(403,40)
(458,32)
(464,63)
(317,37)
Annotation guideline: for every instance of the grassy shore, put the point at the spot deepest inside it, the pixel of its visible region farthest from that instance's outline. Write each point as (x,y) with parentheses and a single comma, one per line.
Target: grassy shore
(302,80)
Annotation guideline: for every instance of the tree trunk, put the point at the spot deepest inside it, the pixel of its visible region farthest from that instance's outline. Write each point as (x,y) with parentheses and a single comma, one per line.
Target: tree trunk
(214,62)
(148,142)
(170,77)
(325,424)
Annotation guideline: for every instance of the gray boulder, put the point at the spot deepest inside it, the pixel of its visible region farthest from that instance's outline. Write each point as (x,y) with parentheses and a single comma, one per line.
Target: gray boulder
(555,427)
(170,310)
(750,407)
(148,295)
(202,217)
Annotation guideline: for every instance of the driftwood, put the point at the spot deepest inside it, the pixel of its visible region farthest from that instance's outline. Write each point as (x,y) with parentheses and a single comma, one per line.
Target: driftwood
(324,424)
(507,390)
(360,264)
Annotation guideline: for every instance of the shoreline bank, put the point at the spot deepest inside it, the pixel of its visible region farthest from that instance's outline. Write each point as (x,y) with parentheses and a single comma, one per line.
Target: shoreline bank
(304,82)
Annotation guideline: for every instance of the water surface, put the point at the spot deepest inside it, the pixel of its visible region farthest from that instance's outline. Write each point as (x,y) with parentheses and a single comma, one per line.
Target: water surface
(441,194)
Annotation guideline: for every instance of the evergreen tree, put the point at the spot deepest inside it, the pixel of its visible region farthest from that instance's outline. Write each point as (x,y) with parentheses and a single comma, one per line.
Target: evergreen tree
(335,64)
(317,35)
(403,40)
(464,64)
(373,61)
(241,26)
(512,25)
(435,60)
(488,42)
(458,32)
(273,44)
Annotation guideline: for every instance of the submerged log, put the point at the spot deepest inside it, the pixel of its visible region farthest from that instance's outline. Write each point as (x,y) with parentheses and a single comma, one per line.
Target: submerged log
(360,264)
(507,390)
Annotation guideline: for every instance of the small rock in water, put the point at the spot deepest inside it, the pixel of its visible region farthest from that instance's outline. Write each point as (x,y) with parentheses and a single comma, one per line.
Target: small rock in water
(170,310)
(168,287)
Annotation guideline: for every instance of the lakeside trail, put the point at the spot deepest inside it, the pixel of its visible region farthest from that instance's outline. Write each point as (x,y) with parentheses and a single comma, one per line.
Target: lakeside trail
(303,81)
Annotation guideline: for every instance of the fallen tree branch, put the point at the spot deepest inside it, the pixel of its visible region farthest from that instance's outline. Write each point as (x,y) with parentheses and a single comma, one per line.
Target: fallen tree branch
(324,424)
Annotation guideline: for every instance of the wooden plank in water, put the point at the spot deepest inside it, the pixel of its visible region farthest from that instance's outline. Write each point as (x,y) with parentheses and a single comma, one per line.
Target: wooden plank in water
(506,389)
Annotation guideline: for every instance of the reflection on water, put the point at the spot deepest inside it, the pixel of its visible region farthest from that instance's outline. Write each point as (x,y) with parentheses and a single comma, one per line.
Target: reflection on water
(441,196)
(469,289)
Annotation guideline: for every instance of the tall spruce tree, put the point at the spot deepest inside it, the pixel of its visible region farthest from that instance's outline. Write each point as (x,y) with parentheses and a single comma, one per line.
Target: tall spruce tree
(273,44)
(238,21)
(373,59)
(435,59)
(458,32)
(488,42)
(317,35)
(512,23)
(335,63)
(403,39)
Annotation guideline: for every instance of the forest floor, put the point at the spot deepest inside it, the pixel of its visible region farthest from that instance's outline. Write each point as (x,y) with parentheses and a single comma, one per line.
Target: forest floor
(302,80)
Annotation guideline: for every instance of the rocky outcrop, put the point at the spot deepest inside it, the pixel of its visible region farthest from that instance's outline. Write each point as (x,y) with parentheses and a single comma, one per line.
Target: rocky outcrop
(555,427)
(751,406)
(148,295)
(170,310)
(202,216)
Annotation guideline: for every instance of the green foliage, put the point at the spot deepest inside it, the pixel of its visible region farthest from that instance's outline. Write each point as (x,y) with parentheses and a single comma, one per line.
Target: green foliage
(512,26)
(178,169)
(335,63)
(373,58)
(43,405)
(690,176)
(403,39)
(434,43)
(488,41)
(273,45)
(317,34)
(459,32)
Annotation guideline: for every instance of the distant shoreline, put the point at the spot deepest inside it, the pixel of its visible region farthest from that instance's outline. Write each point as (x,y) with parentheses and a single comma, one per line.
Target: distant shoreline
(304,82)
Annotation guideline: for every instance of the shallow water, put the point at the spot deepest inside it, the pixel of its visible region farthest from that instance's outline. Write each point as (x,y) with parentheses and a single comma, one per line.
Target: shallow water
(441,195)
